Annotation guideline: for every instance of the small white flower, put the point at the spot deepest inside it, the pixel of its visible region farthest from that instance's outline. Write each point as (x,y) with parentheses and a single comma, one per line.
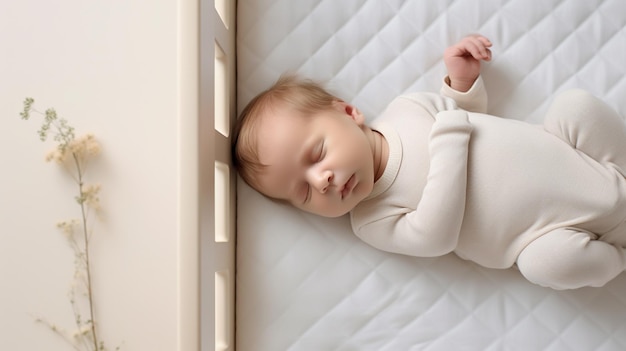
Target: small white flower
(84,331)
(90,195)
(67,227)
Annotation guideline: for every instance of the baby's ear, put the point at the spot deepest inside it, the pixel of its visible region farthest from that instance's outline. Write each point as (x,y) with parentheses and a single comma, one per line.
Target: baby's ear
(351,111)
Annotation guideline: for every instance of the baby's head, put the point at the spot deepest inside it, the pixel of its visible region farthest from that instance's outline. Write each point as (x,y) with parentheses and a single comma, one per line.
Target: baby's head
(297,143)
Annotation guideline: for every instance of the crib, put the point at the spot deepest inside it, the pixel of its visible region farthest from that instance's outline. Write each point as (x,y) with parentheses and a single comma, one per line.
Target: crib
(300,282)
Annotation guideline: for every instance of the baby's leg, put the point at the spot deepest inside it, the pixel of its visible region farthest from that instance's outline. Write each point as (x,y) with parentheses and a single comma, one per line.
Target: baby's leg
(589,125)
(570,259)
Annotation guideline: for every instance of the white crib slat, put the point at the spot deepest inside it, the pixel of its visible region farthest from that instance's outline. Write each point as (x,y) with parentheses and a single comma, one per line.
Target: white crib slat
(216,177)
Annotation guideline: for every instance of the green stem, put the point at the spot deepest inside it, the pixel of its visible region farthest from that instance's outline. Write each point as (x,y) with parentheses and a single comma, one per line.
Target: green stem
(86,242)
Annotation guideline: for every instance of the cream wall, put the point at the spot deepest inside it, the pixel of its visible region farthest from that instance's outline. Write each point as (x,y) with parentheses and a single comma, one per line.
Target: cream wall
(125,70)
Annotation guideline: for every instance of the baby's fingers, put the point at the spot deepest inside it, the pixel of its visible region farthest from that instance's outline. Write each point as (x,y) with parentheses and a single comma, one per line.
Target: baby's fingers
(478,46)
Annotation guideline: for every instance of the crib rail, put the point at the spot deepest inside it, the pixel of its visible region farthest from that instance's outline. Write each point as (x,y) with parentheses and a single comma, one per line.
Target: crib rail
(216,177)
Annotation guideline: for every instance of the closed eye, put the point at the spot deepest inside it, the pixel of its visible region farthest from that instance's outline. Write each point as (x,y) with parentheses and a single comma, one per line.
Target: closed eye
(321,152)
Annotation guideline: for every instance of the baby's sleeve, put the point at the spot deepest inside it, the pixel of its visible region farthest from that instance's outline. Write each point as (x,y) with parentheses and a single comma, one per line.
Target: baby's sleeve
(473,100)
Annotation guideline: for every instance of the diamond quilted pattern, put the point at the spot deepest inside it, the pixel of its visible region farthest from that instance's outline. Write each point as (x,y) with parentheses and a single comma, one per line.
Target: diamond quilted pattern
(306,283)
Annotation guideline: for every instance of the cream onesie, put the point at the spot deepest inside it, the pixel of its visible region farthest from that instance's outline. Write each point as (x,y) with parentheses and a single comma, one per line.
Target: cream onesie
(550,198)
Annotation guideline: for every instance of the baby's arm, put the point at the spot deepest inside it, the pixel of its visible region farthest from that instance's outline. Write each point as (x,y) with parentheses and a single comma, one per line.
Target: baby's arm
(463,61)
(433,227)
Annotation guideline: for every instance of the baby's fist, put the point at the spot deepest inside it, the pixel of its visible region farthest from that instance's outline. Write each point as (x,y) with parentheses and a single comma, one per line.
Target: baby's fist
(463,60)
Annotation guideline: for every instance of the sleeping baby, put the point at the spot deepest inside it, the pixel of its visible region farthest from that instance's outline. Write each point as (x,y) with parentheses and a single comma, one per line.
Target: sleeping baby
(434,174)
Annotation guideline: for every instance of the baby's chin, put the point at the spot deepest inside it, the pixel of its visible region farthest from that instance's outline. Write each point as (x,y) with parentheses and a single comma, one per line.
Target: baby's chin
(332,212)
(344,210)
(335,214)
(328,215)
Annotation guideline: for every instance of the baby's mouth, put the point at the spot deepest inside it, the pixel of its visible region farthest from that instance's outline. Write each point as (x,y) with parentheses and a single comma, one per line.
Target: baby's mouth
(347,188)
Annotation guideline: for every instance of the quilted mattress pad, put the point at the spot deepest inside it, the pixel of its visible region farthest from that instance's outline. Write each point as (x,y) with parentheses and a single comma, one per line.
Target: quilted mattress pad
(307,283)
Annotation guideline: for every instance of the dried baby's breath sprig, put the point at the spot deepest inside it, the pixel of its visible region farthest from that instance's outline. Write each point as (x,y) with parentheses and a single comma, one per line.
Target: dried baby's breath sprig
(74,154)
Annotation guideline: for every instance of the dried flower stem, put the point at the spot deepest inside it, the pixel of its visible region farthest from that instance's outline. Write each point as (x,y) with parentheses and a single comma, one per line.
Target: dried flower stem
(86,246)
(86,337)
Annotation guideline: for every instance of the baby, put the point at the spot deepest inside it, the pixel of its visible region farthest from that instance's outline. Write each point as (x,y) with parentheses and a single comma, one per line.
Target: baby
(434,174)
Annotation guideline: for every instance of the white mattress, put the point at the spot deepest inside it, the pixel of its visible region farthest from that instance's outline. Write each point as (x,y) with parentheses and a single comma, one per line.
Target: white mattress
(306,283)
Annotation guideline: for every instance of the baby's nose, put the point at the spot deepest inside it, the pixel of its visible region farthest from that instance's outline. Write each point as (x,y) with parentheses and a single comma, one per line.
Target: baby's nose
(321,180)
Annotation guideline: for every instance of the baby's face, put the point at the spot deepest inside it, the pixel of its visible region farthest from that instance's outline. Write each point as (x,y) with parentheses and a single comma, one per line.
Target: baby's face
(322,164)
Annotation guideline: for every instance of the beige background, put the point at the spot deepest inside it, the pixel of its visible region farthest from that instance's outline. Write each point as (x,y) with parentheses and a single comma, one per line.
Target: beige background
(126,71)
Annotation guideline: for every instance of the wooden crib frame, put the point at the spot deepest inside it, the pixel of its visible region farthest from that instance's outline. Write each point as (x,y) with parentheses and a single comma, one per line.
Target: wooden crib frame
(216,181)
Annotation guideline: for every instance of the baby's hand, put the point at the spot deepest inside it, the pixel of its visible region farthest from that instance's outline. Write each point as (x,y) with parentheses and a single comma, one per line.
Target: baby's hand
(463,61)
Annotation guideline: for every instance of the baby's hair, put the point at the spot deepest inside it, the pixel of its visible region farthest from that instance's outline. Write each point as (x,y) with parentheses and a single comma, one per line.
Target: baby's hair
(301,95)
